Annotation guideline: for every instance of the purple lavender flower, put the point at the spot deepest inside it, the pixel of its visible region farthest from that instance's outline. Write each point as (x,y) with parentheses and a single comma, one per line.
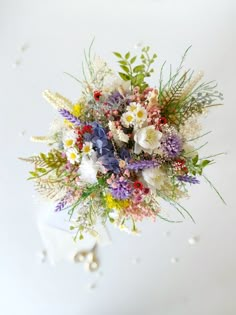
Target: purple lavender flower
(140,165)
(171,145)
(71,118)
(188,179)
(115,98)
(121,189)
(61,204)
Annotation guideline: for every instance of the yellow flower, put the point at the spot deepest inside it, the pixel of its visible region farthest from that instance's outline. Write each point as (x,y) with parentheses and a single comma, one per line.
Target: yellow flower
(77,110)
(113,203)
(68,123)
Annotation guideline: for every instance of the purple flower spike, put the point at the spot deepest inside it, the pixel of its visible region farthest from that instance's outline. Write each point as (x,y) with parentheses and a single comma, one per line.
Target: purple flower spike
(61,204)
(121,190)
(68,116)
(171,145)
(140,165)
(188,179)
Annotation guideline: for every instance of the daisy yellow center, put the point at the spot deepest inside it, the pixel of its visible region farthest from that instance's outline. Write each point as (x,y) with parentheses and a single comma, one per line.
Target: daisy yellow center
(73,156)
(140,114)
(86,149)
(69,142)
(129,118)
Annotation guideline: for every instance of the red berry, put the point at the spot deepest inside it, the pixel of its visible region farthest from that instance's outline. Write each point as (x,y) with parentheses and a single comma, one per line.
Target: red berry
(162,121)
(96,95)
(138,185)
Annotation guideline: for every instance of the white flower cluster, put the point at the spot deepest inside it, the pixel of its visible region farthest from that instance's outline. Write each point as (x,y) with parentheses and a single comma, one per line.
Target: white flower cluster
(69,139)
(117,134)
(191,129)
(136,116)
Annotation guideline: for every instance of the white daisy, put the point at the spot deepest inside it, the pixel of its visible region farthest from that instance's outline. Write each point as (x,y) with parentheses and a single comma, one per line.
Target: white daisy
(141,115)
(72,155)
(127,119)
(69,139)
(87,148)
(132,107)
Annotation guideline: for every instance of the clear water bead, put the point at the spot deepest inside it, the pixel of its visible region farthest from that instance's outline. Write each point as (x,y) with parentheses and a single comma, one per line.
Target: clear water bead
(193,240)
(174,260)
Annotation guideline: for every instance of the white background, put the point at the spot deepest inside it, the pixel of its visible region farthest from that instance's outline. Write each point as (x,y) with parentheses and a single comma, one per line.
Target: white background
(203,281)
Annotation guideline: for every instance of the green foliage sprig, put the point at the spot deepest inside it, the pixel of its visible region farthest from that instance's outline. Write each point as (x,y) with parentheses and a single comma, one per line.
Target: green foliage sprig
(45,163)
(136,73)
(196,166)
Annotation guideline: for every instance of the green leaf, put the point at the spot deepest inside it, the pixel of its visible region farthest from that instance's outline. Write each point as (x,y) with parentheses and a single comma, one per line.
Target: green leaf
(127,55)
(125,68)
(146,49)
(117,54)
(72,227)
(43,156)
(205,163)
(33,174)
(140,77)
(195,159)
(124,76)
(139,68)
(132,60)
(40,170)
(111,220)
(123,62)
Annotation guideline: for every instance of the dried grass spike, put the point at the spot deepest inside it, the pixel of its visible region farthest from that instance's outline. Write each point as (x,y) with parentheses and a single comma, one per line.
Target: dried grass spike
(57,100)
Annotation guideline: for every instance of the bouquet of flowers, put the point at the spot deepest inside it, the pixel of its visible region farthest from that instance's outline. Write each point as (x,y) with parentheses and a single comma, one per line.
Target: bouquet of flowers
(124,145)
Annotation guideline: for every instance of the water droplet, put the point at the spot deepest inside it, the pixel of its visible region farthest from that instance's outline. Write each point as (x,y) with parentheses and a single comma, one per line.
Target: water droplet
(166,233)
(193,240)
(138,45)
(91,286)
(99,274)
(42,255)
(24,47)
(174,260)
(16,63)
(22,133)
(135,260)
